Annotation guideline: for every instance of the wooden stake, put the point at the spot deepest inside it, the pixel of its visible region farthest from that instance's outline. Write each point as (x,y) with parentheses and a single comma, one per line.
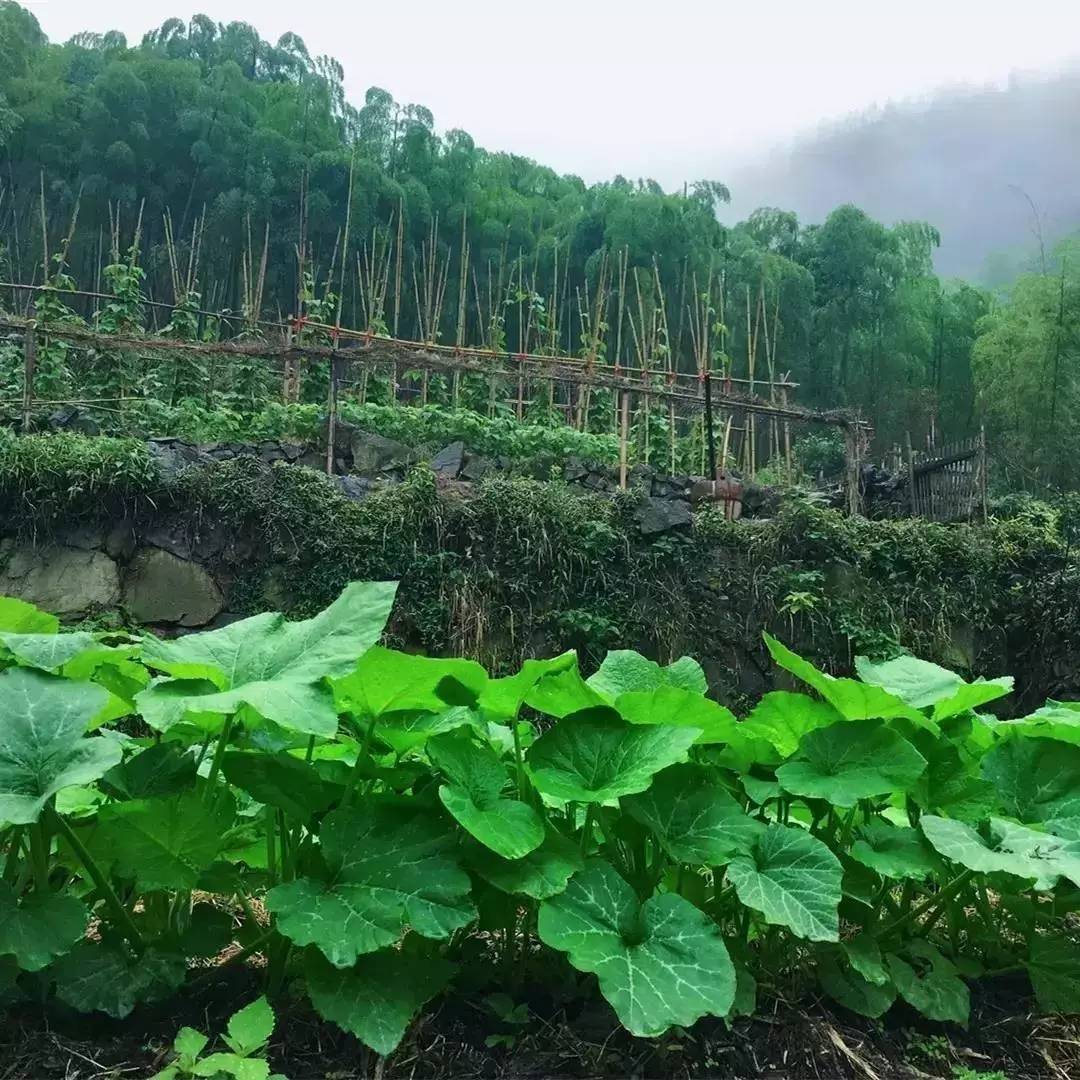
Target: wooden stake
(909,455)
(331,414)
(624,433)
(29,366)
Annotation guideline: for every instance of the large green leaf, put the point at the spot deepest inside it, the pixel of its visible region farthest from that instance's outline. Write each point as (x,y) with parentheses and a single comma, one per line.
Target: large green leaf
(43,746)
(1055,720)
(563,692)
(474,797)
(782,718)
(1054,967)
(390,867)
(503,698)
(624,671)
(693,816)
(38,928)
(19,617)
(794,880)
(163,843)
(275,666)
(542,873)
(1035,779)
(162,769)
(951,785)
(278,780)
(50,652)
(1012,849)
(937,991)
(376,999)
(852,761)
(385,681)
(594,756)
(852,989)
(894,851)
(922,685)
(407,731)
(854,700)
(659,963)
(99,976)
(672,706)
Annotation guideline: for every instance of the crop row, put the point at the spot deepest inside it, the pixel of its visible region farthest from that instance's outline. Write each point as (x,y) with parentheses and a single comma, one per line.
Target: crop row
(374,824)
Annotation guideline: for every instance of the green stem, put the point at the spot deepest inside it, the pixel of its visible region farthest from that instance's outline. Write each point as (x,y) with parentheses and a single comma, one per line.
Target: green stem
(120,913)
(586,829)
(39,856)
(204,746)
(11,864)
(848,827)
(256,946)
(271,845)
(361,754)
(519,760)
(310,752)
(937,901)
(219,753)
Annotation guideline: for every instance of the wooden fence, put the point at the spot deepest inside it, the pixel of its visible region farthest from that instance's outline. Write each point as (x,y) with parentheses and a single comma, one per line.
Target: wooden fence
(946,482)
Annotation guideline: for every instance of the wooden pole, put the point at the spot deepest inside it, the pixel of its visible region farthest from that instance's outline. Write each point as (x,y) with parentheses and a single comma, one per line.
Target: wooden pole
(983,471)
(852,450)
(331,414)
(29,366)
(624,433)
(709,427)
(909,455)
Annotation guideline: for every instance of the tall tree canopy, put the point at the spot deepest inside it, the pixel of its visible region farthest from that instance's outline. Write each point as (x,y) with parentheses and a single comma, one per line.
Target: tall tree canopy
(207,132)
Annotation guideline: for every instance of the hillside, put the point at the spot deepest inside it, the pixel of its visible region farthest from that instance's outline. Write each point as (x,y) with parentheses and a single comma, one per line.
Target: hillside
(963,159)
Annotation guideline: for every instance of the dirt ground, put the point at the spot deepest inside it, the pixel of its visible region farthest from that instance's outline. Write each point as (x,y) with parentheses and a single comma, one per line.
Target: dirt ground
(790,1040)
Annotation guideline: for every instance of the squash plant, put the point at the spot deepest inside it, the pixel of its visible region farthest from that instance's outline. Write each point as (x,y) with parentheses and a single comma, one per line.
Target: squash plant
(879,835)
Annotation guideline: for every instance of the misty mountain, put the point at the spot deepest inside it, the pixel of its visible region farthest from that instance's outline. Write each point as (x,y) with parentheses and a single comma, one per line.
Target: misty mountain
(972,162)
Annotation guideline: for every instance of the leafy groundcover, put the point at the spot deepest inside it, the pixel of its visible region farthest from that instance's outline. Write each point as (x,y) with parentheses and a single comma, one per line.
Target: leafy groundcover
(379,828)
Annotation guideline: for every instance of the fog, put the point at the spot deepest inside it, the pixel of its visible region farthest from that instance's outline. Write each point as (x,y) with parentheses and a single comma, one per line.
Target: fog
(996,169)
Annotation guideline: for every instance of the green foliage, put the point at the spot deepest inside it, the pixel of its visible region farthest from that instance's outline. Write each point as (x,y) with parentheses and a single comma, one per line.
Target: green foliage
(378,841)
(54,477)
(248,1032)
(208,115)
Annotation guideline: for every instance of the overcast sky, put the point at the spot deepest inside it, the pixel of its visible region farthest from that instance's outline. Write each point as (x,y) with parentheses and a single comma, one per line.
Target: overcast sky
(675,90)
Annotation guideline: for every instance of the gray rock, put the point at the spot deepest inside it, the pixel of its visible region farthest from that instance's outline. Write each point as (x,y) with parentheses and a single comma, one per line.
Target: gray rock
(120,541)
(173,456)
(83,537)
(374,454)
(66,581)
(161,588)
(574,470)
(476,467)
(655,516)
(73,419)
(170,534)
(448,461)
(353,487)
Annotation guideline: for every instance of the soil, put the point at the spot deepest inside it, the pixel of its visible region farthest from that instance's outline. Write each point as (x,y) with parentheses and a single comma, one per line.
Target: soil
(789,1040)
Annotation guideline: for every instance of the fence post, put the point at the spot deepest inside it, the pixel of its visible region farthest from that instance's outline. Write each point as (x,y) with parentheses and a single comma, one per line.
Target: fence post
(909,455)
(984,466)
(331,413)
(851,456)
(624,434)
(29,367)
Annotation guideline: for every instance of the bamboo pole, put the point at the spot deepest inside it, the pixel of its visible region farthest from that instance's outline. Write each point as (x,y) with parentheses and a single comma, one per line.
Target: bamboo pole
(29,367)
(624,435)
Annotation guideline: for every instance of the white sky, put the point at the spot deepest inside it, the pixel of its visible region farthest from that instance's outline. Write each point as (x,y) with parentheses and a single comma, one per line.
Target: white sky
(676,90)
